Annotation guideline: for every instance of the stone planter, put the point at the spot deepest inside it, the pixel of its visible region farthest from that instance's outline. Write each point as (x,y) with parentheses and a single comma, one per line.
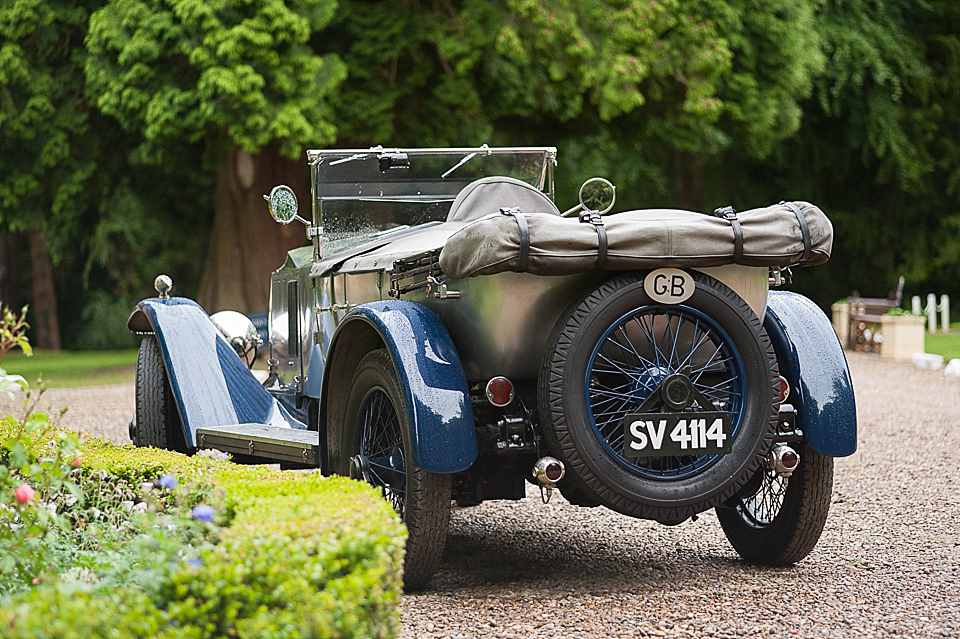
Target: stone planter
(902,336)
(841,321)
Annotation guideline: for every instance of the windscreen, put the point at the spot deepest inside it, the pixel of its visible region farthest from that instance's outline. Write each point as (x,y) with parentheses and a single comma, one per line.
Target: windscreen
(368,195)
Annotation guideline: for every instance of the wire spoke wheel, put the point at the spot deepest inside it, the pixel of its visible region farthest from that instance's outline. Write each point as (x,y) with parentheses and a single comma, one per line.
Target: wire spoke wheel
(618,353)
(637,354)
(371,441)
(776,520)
(381,447)
(761,509)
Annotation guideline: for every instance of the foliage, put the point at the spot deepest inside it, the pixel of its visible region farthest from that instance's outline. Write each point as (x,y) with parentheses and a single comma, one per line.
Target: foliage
(114,115)
(30,520)
(285,555)
(103,323)
(13,328)
(43,155)
(632,86)
(13,335)
(220,73)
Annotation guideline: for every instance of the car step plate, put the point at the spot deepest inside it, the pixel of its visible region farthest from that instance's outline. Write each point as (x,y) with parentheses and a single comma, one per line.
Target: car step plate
(259,440)
(677,434)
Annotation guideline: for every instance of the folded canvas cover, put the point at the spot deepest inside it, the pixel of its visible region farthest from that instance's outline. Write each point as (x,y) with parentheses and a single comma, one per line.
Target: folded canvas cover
(785,234)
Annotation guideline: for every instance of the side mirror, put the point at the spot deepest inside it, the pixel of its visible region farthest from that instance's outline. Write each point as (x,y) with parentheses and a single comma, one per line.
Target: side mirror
(598,194)
(282,203)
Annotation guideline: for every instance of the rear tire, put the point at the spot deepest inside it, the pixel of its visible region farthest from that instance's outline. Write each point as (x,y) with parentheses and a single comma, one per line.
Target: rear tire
(780,522)
(158,422)
(376,448)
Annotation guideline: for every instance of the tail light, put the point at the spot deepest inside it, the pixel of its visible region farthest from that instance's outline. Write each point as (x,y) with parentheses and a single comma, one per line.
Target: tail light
(499,391)
(784,389)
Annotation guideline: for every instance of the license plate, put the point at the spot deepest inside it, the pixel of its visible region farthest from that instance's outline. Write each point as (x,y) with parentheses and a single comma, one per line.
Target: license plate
(677,434)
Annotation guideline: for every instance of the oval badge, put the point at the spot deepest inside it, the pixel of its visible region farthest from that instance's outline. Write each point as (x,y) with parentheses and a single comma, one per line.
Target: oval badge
(669,285)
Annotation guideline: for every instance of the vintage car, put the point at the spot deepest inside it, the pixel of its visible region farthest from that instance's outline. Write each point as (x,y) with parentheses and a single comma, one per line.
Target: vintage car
(448,334)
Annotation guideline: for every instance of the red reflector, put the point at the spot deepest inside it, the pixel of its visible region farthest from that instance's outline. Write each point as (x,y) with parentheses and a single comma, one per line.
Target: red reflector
(790,460)
(499,391)
(784,389)
(554,472)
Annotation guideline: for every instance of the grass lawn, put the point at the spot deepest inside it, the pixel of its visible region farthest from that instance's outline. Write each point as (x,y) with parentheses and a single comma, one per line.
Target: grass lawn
(946,344)
(74,368)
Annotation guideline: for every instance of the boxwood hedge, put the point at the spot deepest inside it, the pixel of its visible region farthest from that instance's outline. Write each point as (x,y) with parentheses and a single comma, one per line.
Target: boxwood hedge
(299,556)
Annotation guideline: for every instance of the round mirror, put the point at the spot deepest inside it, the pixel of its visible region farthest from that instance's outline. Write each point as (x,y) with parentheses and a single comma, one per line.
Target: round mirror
(282,203)
(598,194)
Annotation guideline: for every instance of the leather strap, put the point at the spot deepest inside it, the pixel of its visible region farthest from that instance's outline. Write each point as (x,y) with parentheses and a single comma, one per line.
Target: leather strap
(804,229)
(592,217)
(524,257)
(730,214)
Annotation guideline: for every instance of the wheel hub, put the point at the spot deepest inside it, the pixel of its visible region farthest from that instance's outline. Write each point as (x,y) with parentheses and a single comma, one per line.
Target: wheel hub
(677,391)
(360,468)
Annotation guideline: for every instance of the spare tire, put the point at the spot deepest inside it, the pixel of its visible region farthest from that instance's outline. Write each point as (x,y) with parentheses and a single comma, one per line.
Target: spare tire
(616,347)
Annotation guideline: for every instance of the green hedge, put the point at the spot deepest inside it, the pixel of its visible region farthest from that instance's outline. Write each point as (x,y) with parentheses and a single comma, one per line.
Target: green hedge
(299,556)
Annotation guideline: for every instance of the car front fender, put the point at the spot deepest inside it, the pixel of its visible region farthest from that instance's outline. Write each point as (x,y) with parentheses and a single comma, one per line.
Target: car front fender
(431,376)
(811,359)
(211,385)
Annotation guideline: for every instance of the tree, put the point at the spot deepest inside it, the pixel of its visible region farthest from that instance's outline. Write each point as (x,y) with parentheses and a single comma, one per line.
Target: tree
(650,91)
(43,120)
(876,149)
(220,75)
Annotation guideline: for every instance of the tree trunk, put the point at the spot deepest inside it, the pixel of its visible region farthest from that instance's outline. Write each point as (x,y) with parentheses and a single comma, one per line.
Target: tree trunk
(10,276)
(44,308)
(690,182)
(246,244)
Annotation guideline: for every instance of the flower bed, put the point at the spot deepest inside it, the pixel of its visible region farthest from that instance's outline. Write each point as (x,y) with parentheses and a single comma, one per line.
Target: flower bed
(132,542)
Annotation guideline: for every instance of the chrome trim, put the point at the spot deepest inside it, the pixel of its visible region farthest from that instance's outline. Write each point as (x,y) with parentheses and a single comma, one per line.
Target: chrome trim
(542,466)
(314,155)
(163,284)
(783,460)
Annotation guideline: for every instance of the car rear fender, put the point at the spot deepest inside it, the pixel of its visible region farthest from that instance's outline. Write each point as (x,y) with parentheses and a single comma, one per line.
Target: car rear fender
(427,363)
(211,385)
(812,361)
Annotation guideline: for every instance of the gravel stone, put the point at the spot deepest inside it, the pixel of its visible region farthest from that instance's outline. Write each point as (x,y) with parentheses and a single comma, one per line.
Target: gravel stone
(887,565)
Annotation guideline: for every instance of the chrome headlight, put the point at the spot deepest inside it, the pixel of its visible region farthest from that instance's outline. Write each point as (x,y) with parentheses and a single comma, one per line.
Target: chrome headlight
(240,333)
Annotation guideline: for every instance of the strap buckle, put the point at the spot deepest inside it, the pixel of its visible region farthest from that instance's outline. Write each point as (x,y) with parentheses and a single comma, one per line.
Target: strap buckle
(591,217)
(726,212)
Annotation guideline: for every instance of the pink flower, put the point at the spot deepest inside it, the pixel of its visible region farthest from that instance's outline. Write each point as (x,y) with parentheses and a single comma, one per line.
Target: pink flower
(24,493)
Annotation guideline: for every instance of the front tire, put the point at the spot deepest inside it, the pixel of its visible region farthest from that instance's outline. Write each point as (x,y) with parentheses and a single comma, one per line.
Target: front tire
(375,442)
(157,422)
(780,522)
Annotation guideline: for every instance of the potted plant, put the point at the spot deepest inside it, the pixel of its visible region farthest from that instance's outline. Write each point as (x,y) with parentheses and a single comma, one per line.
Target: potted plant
(903,334)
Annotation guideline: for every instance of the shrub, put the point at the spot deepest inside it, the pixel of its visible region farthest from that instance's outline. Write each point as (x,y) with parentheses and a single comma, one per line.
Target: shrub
(287,555)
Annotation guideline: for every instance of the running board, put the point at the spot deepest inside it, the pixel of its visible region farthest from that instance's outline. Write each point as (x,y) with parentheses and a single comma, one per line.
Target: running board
(269,442)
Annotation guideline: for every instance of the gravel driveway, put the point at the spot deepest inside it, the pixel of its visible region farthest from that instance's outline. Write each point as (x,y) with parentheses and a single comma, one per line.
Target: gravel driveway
(888,564)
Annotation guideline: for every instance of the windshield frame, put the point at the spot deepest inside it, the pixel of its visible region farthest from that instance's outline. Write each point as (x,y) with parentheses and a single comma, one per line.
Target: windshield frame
(321,160)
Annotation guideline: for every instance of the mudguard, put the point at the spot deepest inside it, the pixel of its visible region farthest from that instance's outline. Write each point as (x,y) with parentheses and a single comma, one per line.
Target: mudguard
(431,376)
(211,385)
(812,361)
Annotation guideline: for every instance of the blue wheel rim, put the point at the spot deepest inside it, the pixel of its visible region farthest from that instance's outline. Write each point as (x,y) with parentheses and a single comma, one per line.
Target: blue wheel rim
(636,353)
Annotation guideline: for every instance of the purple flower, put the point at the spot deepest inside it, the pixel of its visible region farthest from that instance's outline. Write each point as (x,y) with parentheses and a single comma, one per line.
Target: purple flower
(168,481)
(195,563)
(202,513)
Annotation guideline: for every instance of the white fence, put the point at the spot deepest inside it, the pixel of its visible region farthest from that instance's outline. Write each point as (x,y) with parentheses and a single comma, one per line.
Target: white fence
(931,310)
